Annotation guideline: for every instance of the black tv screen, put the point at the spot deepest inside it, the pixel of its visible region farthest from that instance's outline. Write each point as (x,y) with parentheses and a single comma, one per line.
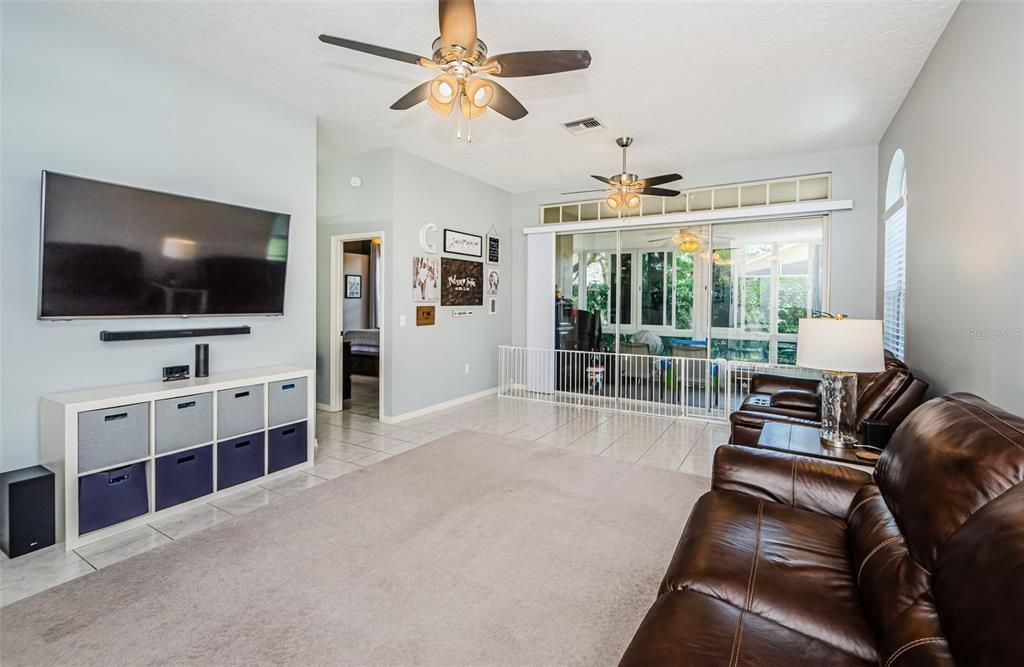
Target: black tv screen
(115,251)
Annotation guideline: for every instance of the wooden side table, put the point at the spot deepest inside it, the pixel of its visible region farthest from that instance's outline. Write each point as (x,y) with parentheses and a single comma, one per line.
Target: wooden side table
(806,441)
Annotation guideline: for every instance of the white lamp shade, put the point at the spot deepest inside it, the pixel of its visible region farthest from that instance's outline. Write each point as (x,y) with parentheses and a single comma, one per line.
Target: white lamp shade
(851,346)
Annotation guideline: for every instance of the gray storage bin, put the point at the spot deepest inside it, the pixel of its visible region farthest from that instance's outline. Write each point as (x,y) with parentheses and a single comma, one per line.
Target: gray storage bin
(183,422)
(113,436)
(287,401)
(239,410)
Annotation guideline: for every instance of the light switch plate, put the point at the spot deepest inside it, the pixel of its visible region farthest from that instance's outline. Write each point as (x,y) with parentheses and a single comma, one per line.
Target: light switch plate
(401,320)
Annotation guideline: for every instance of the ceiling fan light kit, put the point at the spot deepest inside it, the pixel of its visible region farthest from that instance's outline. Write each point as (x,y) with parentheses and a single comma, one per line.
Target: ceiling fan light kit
(463,62)
(627,187)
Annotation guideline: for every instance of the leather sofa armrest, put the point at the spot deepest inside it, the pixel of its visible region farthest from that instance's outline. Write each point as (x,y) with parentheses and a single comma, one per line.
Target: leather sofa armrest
(750,418)
(798,481)
(796,399)
(763,383)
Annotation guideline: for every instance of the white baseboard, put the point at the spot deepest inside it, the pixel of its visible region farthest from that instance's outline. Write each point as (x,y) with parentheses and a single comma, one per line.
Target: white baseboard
(323,406)
(439,406)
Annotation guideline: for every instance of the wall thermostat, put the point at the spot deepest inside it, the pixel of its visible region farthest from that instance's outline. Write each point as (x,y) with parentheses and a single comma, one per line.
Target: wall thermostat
(355,181)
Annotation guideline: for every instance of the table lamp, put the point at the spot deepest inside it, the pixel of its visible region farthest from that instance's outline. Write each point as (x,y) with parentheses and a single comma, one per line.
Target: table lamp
(840,348)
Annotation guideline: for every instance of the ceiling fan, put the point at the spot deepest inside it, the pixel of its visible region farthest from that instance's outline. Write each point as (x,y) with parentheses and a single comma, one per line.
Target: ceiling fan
(626,188)
(691,242)
(686,239)
(461,60)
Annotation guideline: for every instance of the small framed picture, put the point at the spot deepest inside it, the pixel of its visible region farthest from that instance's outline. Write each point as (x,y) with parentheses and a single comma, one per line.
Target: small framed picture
(353,287)
(493,250)
(492,305)
(493,278)
(461,243)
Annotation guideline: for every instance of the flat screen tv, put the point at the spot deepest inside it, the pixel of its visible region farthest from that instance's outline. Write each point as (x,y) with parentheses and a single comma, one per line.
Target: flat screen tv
(112,251)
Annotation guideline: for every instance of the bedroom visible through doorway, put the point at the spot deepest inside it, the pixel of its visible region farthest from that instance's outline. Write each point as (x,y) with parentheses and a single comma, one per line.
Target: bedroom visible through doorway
(357,295)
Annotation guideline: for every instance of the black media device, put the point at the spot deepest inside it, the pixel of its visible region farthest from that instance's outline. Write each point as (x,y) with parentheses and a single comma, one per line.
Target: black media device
(876,434)
(172,373)
(27,504)
(202,360)
(112,251)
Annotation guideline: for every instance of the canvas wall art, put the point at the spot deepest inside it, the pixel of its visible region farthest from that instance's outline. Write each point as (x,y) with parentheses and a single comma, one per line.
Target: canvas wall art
(462,282)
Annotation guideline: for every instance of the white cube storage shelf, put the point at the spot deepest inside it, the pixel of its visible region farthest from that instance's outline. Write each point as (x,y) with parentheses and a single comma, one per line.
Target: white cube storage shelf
(124,456)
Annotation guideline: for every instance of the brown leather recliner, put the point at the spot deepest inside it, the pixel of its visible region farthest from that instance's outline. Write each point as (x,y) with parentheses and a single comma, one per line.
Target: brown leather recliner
(790,560)
(886,397)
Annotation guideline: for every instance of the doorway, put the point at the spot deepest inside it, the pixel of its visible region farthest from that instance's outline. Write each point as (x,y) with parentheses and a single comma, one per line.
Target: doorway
(357,315)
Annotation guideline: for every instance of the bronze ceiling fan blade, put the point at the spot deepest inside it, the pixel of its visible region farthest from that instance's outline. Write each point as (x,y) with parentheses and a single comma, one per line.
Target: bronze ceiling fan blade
(659,180)
(535,63)
(413,97)
(373,49)
(581,192)
(660,192)
(457,19)
(506,104)
(605,180)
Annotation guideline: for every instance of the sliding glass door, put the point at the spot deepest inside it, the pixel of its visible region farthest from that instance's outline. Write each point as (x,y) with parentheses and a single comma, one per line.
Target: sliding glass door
(724,291)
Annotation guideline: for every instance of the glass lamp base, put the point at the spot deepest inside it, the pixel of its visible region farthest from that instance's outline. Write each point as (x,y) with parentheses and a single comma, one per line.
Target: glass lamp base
(838,409)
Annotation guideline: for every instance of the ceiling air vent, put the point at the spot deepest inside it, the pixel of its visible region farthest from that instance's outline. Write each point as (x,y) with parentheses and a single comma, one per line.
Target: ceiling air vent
(583,126)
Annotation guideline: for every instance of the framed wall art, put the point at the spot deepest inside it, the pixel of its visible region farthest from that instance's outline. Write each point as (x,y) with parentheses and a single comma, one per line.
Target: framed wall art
(353,287)
(462,282)
(493,278)
(426,279)
(461,243)
(493,249)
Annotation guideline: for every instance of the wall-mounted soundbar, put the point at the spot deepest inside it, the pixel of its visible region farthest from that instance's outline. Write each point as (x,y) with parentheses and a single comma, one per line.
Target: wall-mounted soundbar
(110,336)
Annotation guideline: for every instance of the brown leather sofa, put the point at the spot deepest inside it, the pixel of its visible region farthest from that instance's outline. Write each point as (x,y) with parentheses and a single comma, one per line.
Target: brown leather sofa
(886,397)
(791,561)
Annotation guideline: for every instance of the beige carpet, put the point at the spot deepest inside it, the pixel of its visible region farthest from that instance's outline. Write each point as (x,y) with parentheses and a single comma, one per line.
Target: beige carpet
(472,550)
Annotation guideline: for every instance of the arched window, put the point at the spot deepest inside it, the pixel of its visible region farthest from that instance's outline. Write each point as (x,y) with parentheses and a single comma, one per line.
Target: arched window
(895,257)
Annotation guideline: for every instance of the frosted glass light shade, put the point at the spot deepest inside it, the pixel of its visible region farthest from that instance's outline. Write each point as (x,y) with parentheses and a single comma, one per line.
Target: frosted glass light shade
(850,346)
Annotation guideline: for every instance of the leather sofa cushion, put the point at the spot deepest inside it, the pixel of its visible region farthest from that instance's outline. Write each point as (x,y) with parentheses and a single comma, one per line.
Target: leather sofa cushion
(696,630)
(985,617)
(788,565)
(796,399)
(952,455)
(895,589)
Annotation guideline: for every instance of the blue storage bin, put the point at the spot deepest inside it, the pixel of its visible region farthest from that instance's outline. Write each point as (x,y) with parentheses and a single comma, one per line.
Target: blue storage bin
(287,446)
(112,496)
(184,476)
(240,459)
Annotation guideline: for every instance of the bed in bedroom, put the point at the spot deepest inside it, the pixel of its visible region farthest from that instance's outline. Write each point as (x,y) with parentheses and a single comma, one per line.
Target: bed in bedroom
(365,344)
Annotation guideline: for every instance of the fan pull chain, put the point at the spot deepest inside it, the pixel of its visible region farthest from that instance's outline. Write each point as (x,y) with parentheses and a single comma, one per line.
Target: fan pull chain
(458,111)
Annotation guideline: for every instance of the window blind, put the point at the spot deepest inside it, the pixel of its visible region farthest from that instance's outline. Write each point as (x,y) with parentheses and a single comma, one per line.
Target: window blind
(895,283)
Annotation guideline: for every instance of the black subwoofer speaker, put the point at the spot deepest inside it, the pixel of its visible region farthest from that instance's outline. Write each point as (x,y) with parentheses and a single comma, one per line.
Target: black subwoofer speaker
(26,510)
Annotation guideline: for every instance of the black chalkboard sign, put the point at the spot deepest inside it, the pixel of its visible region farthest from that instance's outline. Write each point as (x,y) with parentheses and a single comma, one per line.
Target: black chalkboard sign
(493,243)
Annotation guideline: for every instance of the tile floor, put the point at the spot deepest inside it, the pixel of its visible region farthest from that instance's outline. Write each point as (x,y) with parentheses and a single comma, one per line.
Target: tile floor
(349,441)
(365,398)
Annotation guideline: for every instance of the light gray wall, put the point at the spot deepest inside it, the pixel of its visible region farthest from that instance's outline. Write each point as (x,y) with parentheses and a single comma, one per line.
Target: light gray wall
(342,209)
(852,258)
(80,100)
(430,361)
(961,128)
(421,366)
(356,312)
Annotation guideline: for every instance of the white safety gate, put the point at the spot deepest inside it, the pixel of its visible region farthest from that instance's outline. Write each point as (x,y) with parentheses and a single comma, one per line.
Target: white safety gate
(707,389)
